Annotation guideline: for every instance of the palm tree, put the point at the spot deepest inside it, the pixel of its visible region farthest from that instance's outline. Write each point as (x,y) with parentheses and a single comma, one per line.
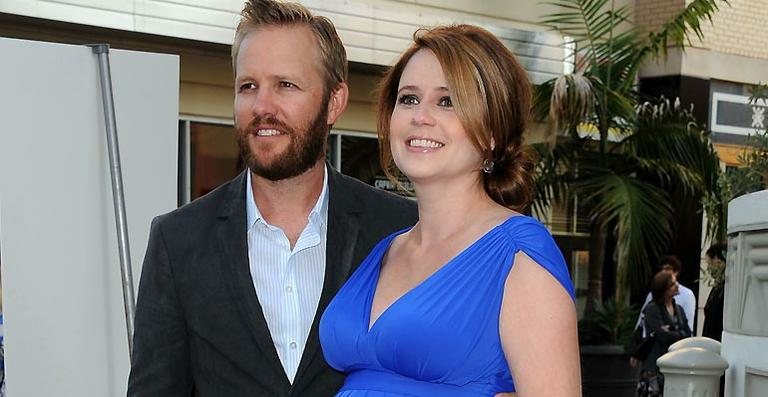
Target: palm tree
(620,155)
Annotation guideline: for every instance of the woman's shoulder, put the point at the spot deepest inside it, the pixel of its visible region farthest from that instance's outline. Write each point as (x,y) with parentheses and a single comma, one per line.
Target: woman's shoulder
(528,234)
(652,308)
(531,237)
(522,226)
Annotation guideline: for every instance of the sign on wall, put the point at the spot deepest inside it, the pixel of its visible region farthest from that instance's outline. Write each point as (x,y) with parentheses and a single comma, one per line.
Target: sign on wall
(735,114)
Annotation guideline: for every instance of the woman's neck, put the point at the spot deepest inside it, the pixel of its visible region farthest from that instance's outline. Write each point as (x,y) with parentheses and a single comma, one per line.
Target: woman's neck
(669,304)
(454,212)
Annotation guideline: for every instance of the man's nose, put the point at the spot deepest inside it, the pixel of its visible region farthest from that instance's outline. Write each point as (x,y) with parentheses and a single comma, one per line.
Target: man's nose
(264,103)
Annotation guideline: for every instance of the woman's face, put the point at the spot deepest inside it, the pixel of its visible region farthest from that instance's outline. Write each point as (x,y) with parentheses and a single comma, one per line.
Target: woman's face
(672,288)
(427,139)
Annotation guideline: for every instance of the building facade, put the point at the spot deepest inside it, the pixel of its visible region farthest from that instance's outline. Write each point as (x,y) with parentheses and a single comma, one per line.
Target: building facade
(716,75)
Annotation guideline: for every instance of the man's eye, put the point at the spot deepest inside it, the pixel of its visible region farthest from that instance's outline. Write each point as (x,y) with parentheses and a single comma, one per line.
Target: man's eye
(287,84)
(445,102)
(408,99)
(247,86)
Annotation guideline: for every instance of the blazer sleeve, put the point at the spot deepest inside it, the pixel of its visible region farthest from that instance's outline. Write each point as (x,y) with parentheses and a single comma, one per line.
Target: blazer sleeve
(160,360)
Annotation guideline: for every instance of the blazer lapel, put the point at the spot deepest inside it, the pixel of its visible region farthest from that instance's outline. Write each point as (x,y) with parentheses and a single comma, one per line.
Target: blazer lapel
(341,240)
(232,237)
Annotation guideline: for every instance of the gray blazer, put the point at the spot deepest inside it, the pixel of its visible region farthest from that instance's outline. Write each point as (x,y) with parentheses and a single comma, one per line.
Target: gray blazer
(200,330)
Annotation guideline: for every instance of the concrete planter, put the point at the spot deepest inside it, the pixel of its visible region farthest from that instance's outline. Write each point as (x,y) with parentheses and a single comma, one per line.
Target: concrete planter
(605,372)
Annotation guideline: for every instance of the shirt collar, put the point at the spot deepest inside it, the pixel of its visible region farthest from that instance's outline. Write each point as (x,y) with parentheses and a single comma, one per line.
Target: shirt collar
(318,214)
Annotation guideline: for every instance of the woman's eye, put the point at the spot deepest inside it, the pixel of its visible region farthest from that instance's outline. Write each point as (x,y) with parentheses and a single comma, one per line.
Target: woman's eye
(445,102)
(408,99)
(287,84)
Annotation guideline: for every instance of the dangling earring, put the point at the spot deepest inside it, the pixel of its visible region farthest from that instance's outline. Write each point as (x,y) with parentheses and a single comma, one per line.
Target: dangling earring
(487,166)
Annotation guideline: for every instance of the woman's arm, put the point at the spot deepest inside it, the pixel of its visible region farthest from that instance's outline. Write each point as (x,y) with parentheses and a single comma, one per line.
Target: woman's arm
(655,324)
(538,332)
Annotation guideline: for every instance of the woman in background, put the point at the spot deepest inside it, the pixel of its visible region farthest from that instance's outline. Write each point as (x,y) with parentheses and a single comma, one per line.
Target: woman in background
(665,321)
(476,298)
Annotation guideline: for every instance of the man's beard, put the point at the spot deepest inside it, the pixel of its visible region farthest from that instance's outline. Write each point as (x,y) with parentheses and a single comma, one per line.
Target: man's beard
(303,151)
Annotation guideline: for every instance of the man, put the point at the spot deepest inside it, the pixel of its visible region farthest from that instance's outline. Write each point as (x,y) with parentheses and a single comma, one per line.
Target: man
(233,285)
(713,309)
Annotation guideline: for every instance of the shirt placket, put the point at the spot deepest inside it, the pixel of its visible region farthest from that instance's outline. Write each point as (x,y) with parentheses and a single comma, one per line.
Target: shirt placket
(292,313)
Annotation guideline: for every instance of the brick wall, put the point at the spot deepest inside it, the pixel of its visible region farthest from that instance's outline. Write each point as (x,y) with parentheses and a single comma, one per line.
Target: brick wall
(741,29)
(651,14)
(738,29)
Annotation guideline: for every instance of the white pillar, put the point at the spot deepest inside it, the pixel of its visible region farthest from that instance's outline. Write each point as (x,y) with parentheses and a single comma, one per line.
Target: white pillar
(691,372)
(745,334)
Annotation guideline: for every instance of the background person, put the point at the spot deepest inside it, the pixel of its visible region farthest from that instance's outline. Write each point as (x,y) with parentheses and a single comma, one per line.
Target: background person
(713,309)
(666,322)
(686,299)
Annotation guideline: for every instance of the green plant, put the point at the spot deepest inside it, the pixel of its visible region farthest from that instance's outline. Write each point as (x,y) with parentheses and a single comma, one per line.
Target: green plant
(611,323)
(753,173)
(713,275)
(750,176)
(622,169)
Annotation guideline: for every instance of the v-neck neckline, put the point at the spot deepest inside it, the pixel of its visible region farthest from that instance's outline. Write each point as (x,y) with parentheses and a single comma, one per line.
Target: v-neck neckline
(369,327)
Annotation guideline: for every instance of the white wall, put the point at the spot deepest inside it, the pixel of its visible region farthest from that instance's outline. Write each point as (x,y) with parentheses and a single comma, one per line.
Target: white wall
(746,374)
(373,31)
(65,331)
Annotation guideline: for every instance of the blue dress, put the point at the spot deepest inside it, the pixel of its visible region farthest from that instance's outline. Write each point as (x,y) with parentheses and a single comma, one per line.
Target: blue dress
(442,337)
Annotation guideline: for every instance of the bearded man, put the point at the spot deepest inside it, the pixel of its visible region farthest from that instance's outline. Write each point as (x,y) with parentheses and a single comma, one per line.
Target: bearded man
(233,284)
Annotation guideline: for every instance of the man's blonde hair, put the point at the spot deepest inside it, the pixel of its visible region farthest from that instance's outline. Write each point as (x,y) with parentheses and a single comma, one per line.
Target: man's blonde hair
(263,13)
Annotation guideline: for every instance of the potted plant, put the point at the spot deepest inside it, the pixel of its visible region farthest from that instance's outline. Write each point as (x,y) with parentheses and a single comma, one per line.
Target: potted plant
(603,338)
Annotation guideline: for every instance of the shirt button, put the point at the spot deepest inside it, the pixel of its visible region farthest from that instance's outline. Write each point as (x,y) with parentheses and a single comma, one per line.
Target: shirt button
(292,345)
(288,289)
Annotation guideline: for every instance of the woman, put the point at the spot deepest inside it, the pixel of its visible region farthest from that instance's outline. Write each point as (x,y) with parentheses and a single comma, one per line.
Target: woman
(475,299)
(665,321)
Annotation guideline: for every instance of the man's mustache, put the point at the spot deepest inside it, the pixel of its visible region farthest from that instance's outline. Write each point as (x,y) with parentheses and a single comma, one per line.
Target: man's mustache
(268,121)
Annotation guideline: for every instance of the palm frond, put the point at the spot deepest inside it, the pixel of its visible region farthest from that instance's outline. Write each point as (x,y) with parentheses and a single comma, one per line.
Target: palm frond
(578,20)
(675,31)
(641,212)
(571,99)
(552,174)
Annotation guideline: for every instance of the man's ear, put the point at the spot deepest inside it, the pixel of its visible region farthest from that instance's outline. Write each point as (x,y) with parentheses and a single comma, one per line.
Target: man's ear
(337,102)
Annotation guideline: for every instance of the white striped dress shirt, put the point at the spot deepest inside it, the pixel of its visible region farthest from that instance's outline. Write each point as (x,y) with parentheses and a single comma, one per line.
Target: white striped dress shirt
(288,282)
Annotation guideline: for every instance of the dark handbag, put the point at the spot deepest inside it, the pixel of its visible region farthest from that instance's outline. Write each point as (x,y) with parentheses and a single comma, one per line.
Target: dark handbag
(641,351)
(640,345)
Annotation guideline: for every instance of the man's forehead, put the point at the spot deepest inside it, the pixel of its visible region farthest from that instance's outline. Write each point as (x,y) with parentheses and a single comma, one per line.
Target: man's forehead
(293,44)
(289,36)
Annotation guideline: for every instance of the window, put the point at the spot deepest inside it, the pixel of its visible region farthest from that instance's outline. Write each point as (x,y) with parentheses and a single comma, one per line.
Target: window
(209,156)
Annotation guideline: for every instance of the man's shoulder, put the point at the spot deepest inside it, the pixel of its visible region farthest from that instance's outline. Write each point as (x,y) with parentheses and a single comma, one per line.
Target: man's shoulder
(369,196)
(204,207)
(686,292)
(382,212)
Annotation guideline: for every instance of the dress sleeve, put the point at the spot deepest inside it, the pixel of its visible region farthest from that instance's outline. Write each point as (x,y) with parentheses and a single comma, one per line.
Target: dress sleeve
(533,238)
